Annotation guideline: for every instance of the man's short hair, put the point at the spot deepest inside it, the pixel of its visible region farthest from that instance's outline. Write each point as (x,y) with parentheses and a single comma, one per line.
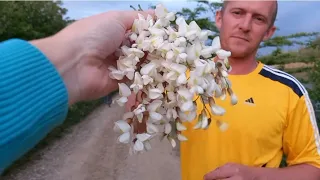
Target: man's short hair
(274,14)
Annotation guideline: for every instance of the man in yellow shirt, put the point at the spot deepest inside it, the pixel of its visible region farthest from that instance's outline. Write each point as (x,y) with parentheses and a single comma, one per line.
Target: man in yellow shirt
(274,115)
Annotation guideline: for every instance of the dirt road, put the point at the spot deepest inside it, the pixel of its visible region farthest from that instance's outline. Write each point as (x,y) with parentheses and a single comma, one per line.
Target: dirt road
(90,152)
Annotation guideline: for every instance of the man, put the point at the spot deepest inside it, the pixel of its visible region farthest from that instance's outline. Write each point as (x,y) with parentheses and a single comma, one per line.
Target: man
(274,115)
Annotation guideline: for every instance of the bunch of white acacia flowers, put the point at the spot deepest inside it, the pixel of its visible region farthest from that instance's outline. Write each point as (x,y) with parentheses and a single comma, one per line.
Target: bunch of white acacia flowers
(170,67)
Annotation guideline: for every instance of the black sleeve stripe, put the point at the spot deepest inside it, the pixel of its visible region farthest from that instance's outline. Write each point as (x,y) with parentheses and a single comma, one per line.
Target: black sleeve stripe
(304,91)
(283,78)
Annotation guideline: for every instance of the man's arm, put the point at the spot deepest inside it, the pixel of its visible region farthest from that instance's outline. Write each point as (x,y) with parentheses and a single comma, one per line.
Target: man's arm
(233,170)
(301,143)
(296,172)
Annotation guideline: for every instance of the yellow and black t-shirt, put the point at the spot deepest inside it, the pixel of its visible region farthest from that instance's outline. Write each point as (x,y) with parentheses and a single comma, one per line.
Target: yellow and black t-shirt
(273,116)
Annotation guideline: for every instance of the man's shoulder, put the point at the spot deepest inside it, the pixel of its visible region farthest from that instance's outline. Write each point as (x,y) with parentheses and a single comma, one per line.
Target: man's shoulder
(284,78)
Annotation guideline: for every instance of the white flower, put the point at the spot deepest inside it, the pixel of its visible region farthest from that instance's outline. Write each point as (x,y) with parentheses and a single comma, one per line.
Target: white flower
(148,68)
(161,11)
(234,99)
(138,83)
(222,125)
(217,110)
(139,143)
(116,74)
(122,126)
(180,127)
(216,44)
(139,112)
(167,128)
(155,93)
(182,137)
(172,142)
(151,128)
(125,128)
(171,69)
(187,116)
(222,54)
(124,90)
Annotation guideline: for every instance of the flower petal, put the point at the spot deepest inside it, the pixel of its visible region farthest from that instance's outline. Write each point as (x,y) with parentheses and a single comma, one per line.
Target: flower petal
(138,146)
(147,145)
(161,11)
(124,138)
(182,137)
(185,93)
(151,128)
(172,142)
(187,106)
(136,52)
(167,128)
(222,125)
(234,99)
(154,105)
(147,79)
(204,123)
(198,125)
(128,115)
(124,90)
(217,110)
(178,67)
(216,44)
(180,127)
(116,74)
(182,79)
(122,125)
(207,52)
(143,137)
(146,69)
(155,116)
(171,16)
(121,101)
(154,93)
(222,54)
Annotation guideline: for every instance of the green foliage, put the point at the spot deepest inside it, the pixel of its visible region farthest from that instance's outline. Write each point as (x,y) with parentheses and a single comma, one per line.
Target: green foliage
(31,19)
(279,41)
(314,50)
(277,57)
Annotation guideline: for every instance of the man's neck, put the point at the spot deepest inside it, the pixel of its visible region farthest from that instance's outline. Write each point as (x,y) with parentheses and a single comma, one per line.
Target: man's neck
(242,66)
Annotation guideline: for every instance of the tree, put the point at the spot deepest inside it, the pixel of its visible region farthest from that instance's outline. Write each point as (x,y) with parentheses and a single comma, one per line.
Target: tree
(313,50)
(31,19)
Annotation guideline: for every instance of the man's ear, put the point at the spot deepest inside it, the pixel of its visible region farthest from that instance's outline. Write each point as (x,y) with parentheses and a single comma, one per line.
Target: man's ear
(218,19)
(269,33)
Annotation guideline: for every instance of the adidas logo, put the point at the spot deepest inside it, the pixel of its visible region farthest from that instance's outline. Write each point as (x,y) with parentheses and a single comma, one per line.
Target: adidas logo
(250,101)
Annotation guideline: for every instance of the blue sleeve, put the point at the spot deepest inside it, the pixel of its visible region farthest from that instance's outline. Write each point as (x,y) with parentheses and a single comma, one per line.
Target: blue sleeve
(33,99)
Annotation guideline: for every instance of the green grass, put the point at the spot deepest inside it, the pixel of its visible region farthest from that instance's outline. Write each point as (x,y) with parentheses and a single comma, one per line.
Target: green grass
(75,115)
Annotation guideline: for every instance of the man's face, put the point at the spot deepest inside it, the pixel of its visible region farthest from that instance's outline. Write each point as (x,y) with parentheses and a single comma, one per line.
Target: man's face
(244,24)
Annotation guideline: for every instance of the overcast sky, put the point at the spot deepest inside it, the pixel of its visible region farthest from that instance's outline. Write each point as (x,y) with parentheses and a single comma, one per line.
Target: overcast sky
(293,16)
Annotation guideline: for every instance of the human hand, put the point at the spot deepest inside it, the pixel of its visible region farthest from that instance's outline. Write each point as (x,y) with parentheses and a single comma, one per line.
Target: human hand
(233,171)
(83,51)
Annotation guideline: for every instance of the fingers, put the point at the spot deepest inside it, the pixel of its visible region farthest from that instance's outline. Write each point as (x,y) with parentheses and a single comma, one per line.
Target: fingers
(223,172)
(127,17)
